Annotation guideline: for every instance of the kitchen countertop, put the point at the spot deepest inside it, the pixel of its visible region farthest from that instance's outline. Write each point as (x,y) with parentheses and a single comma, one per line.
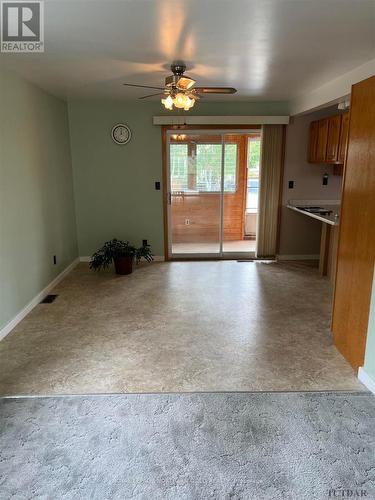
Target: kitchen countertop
(334,205)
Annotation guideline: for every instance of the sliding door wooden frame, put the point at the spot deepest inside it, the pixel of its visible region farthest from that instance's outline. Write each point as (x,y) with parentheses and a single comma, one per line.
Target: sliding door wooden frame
(164,130)
(178,129)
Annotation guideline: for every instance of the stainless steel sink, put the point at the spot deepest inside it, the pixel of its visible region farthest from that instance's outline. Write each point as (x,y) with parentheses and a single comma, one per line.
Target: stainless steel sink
(316,210)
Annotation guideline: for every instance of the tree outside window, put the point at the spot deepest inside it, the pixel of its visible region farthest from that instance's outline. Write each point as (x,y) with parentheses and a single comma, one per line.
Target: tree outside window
(201,172)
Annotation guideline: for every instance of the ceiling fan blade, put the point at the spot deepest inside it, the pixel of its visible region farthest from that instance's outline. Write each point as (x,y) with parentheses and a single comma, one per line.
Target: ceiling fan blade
(193,95)
(151,95)
(215,90)
(143,86)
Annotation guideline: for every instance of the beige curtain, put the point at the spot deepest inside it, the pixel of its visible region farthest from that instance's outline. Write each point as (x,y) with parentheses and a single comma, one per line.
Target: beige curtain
(270,178)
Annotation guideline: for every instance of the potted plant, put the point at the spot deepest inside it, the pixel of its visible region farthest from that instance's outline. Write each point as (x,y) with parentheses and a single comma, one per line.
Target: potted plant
(122,254)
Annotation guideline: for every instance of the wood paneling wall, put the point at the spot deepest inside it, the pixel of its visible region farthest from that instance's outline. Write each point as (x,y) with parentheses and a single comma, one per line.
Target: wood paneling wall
(203,210)
(356,250)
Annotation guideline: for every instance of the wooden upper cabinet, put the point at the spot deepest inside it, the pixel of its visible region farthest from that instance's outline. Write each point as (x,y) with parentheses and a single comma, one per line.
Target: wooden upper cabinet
(343,137)
(333,139)
(328,140)
(321,147)
(313,143)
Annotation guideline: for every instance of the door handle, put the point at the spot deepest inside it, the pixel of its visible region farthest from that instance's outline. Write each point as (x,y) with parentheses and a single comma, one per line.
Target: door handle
(169,198)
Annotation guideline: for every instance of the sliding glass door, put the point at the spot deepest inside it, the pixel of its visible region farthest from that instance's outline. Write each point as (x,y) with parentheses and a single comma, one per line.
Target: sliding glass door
(195,193)
(207,185)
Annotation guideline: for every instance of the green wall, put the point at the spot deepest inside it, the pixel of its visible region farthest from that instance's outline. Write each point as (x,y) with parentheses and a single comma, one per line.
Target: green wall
(114,185)
(369,365)
(37,217)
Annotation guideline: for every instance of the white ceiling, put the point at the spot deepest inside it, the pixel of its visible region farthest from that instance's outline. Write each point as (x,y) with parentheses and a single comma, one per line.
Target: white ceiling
(267,49)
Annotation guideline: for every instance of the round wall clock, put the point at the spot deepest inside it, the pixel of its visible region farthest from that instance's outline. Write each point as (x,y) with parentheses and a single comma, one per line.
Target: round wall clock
(121,133)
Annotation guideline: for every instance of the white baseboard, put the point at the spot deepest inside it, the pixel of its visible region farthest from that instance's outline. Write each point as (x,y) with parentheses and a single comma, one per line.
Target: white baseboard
(366,380)
(87,258)
(298,257)
(35,301)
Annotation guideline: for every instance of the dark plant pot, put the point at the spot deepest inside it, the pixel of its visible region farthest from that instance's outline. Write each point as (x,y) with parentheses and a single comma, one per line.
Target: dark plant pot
(124,265)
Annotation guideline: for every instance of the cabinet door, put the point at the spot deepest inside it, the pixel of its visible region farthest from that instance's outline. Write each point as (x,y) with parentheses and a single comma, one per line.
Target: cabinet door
(343,137)
(356,252)
(321,147)
(334,127)
(313,142)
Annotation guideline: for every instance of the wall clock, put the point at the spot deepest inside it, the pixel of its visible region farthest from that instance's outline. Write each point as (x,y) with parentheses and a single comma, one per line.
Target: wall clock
(121,133)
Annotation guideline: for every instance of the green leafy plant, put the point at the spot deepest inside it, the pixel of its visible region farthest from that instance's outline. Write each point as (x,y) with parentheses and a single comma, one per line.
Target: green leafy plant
(114,249)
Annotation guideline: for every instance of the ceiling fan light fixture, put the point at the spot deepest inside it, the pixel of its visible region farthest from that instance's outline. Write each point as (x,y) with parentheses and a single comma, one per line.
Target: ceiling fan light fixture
(185,83)
(179,90)
(178,137)
(168,103)
(180,100)
(189,103)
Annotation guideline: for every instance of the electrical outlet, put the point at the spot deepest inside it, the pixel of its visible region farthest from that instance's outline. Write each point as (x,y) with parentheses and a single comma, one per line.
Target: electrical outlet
(187,222)
(157,185)
(54,260)
(325,180)
(291,184)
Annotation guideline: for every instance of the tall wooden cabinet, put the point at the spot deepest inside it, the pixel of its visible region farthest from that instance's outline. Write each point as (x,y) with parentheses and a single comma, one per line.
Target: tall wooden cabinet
(356,249)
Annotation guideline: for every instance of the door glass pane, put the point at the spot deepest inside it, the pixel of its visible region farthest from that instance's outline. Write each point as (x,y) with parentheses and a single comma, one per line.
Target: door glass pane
(252,187)
(179,166)
(230,167)
(237,186)
(195,180)
(253,162)
(208,168)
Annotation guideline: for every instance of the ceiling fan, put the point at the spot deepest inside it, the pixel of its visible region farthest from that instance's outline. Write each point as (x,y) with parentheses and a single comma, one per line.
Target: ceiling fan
(180,91)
